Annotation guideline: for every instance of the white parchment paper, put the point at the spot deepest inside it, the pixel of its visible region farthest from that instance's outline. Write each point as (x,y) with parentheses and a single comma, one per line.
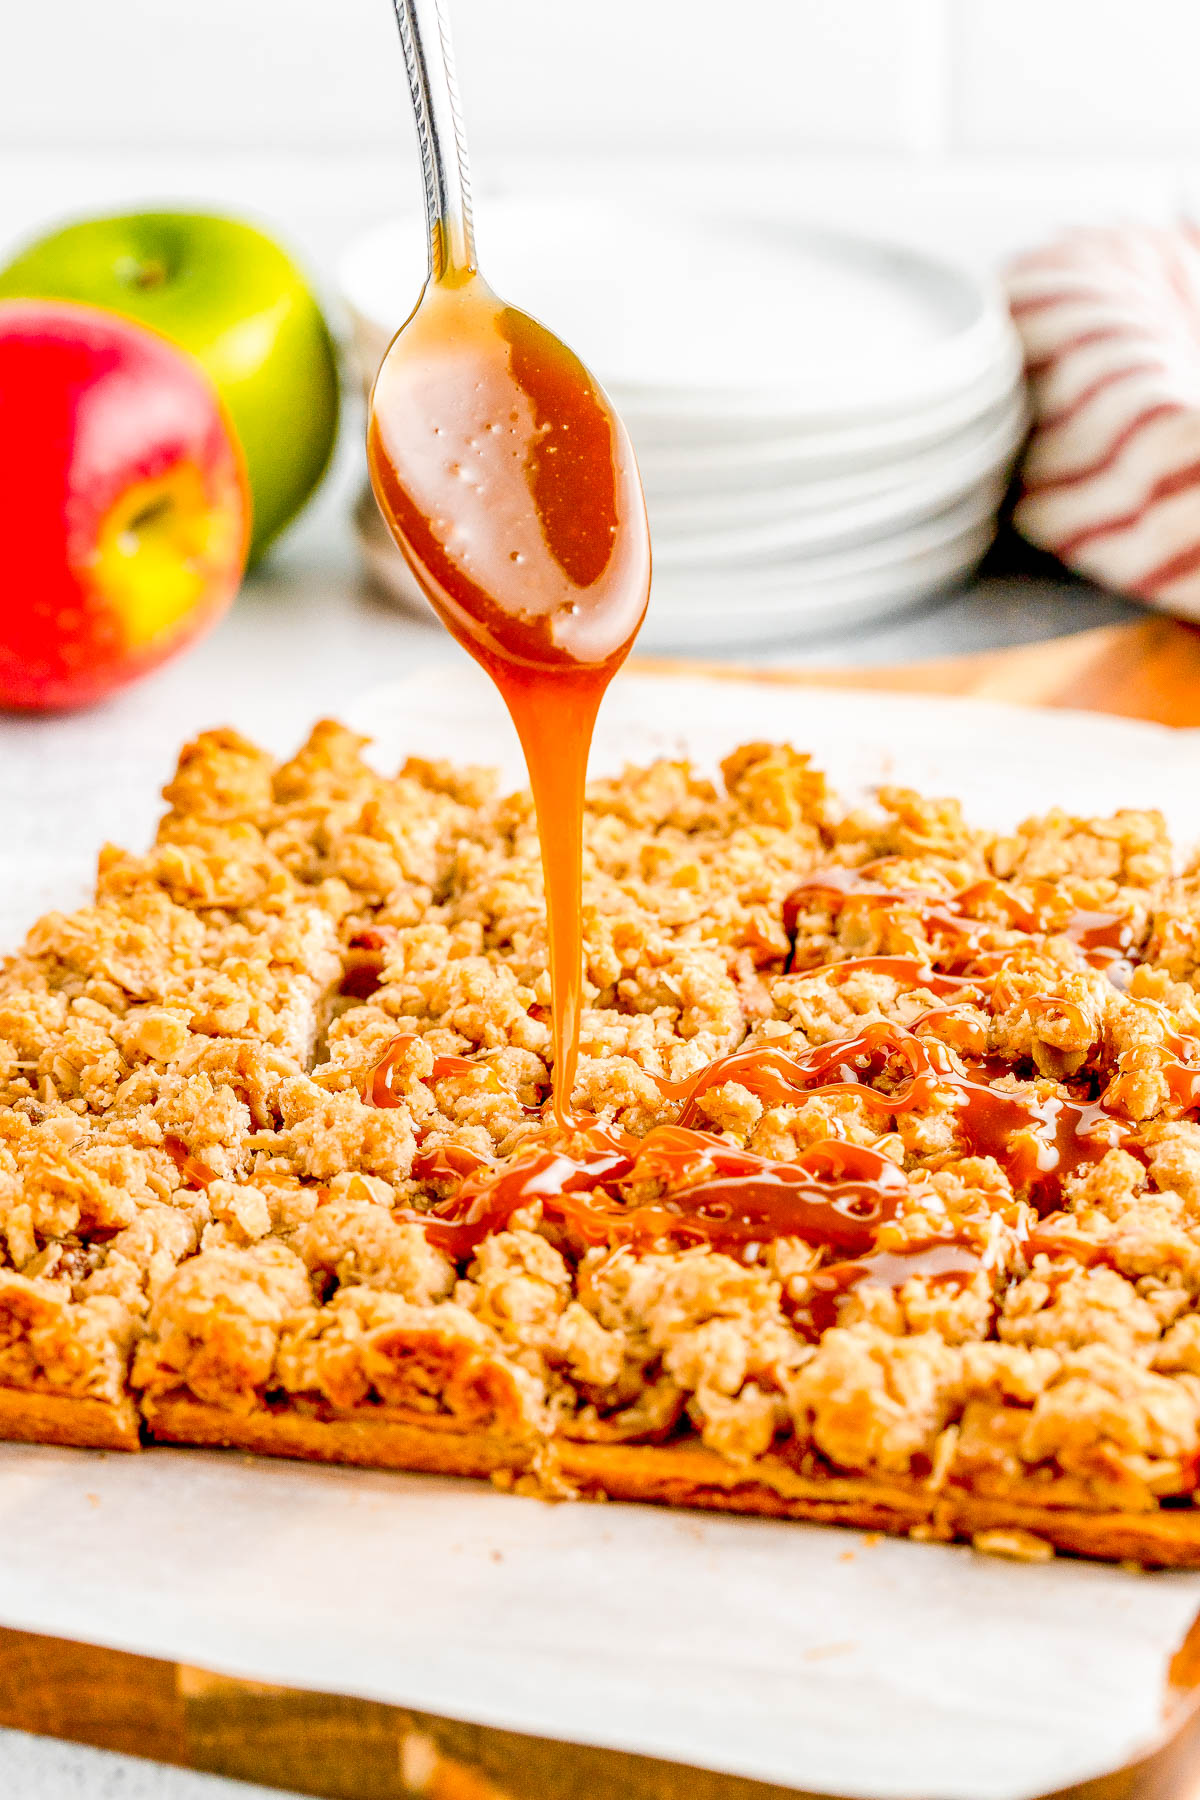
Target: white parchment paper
(794,1654)
(788,1652)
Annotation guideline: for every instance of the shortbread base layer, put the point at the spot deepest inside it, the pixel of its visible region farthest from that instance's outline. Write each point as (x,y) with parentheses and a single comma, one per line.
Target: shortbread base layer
(671,1475)
(76,1420)
(684,1476)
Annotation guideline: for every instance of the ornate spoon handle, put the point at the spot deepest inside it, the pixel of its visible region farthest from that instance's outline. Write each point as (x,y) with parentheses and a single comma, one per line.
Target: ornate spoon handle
(429,59)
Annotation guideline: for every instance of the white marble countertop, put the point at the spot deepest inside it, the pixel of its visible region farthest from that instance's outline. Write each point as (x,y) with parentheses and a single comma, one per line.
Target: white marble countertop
(46,1769)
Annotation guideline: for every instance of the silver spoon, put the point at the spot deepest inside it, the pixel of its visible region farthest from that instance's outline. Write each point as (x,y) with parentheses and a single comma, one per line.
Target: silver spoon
(511,488)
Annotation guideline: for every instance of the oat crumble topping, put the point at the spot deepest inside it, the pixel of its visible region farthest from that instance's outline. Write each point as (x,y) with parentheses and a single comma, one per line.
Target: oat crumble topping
(200,1192)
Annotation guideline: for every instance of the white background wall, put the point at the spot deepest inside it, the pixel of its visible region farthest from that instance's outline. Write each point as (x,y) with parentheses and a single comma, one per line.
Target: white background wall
(1020,111)
(909,75)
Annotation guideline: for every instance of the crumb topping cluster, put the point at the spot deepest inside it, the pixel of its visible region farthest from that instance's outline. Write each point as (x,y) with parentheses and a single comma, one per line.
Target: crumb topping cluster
(272,1129)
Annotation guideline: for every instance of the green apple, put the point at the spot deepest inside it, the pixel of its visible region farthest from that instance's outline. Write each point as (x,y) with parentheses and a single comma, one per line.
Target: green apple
(237,302)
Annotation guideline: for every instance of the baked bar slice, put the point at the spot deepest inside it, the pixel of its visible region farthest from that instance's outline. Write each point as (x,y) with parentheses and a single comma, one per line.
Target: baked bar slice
(882,1207)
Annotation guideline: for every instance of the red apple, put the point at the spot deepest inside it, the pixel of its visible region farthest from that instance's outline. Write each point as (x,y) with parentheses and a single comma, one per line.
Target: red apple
(124,510)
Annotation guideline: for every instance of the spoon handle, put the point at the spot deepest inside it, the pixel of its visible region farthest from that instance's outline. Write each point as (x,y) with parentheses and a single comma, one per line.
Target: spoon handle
(429,59)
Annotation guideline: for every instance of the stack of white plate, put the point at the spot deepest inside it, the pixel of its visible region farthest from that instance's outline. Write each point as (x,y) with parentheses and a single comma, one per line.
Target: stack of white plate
(825,424)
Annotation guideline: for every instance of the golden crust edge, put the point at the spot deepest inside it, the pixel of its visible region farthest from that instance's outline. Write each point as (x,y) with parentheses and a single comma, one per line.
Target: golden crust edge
(376,1441)
(77,1421)
(686,1475)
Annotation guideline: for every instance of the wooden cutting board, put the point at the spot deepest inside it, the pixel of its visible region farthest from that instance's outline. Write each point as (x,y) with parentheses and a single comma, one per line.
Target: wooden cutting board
(348,1749)
(1147,670)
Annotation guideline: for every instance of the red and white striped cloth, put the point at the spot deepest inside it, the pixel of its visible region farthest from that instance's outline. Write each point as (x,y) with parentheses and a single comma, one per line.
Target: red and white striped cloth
(1110,320)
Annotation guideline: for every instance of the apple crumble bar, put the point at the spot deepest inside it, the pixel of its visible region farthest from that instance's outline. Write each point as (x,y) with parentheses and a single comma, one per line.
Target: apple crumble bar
(882,1206)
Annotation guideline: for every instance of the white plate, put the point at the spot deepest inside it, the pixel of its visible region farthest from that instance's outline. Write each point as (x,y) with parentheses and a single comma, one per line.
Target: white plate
(962,493)
(806,547)
(727,451)
(702,315)
(790,583)
(765,603)
(793,530)
(666,425)
(751,614)
(977,507)
(723,461)
(979,449)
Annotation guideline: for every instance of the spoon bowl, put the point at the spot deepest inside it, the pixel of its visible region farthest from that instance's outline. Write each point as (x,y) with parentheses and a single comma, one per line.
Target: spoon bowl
(509,483)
